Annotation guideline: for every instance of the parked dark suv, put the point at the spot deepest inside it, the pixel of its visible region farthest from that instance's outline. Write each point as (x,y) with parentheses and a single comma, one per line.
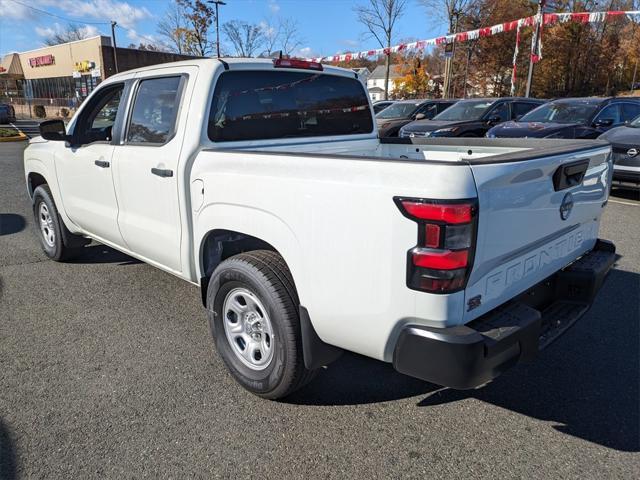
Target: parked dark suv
(471,118)
(571,118)
(625,142)
(7,113)
(392,118)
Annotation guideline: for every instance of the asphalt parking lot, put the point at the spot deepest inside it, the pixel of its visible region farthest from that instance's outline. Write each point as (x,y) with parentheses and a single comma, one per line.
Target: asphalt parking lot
(107,370)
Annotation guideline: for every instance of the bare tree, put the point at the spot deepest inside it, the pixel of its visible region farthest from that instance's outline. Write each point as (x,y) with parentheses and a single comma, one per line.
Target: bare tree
(246,38)
(380,17)
(282,34)
(173,28)
(271,32)
(70,33)
(290,35)
(448,10)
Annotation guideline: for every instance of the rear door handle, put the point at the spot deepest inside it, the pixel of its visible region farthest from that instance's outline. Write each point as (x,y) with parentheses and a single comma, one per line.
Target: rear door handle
(162,172)
(102,163)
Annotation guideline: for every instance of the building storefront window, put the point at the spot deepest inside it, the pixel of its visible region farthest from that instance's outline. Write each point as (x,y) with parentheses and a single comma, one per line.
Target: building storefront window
(62,87)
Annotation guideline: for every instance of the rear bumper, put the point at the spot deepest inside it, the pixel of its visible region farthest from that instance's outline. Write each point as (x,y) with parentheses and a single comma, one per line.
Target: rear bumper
(471,355)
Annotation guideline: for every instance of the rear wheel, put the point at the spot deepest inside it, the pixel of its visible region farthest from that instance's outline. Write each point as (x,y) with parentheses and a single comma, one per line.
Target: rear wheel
(252,306)
(57,242)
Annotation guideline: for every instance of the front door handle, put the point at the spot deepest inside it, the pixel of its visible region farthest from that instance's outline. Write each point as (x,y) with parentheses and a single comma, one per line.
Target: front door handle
(102,163)
(162,172)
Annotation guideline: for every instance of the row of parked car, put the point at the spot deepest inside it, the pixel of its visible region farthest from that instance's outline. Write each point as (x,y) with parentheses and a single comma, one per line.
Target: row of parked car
(615,119)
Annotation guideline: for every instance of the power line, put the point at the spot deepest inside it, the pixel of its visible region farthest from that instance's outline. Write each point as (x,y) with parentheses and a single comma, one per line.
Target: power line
(59,16)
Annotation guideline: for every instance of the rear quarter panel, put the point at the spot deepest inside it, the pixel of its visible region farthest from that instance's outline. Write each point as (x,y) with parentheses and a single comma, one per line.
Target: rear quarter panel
(334,221)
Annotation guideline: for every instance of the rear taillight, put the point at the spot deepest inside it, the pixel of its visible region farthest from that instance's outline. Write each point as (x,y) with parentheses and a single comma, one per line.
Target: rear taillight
(442,259)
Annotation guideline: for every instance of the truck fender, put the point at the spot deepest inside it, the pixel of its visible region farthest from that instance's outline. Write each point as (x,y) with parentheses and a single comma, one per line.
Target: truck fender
(35,171)
(258,224)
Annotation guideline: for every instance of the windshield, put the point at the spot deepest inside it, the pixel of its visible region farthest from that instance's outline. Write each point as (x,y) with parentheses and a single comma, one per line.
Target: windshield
(561,112)
(398,110)
(465,110)
(635,123)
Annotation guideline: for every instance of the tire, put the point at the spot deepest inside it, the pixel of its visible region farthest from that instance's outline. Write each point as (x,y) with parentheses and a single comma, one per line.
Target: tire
(57,242)
(271,364)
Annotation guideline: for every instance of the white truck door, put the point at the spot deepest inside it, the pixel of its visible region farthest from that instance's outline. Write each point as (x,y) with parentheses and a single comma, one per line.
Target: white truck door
(146,167)
(84,168)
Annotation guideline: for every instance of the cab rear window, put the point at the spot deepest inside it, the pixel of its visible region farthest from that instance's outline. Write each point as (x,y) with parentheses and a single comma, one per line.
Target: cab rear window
(258,105)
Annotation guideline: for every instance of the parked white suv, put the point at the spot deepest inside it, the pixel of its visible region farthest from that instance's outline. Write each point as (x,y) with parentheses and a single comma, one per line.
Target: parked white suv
(265,184)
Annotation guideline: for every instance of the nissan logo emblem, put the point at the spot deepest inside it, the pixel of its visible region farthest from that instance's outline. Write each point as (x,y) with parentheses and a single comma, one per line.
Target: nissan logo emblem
(632,152)
(566,206)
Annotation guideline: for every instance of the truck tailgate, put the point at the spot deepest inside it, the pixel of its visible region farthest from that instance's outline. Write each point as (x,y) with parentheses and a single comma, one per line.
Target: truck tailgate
(535,217)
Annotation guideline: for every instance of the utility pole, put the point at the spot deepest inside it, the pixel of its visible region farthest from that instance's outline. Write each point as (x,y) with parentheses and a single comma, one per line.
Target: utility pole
(113,42)
(217,3)
(448,66)
(633,80)
(535,45)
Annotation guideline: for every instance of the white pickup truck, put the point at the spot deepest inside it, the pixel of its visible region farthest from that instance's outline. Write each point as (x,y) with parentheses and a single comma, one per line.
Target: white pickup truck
(264,183)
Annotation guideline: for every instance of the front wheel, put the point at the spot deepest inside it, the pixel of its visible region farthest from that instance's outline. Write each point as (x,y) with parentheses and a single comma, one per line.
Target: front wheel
(252,306)
(57,242)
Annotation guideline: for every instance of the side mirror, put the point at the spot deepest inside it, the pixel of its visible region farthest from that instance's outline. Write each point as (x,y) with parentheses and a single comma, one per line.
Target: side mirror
(518,117)
(54,130)
(494,119)
(420,116)
(604,122)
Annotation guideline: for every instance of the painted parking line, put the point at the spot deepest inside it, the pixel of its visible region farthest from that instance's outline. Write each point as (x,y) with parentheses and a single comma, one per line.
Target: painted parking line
(625,203)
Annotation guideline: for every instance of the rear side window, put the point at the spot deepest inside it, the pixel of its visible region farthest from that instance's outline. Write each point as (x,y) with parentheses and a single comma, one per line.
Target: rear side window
(258,105)
(154,111)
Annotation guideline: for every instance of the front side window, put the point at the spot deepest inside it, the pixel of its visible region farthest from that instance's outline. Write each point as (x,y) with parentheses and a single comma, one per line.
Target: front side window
(259,105)
(520,108)
(561,112)
(399,110)
(630,111)
(98,118)
(465,110)
(154,111)
(611,112)
(429,110)
(501,112)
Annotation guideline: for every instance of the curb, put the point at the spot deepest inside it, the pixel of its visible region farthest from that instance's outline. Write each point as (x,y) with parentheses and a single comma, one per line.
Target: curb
(16,138)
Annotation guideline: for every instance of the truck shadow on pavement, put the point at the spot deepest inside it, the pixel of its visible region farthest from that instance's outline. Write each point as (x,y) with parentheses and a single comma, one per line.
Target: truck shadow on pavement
(11,223)
(7,454)
(98,253)
(587,382)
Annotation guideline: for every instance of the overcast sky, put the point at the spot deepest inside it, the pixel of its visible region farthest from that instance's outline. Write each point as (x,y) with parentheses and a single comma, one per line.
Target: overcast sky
(326,26)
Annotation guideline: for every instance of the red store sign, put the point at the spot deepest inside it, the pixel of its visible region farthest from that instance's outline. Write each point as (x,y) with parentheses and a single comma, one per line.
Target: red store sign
(42,61)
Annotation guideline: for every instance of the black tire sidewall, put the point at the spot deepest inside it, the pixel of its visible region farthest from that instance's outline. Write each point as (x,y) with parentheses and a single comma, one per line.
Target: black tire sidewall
(42,195)
(241,274)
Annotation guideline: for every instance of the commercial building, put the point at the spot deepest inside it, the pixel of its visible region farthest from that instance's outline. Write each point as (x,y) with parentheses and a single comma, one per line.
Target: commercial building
(63,75)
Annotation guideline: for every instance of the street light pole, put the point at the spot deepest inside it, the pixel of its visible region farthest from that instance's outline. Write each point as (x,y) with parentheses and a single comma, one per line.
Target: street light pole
(113,42)
(217,3)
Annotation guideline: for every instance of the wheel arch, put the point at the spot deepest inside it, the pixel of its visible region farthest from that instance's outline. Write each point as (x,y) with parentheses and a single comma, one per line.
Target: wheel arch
(219,244)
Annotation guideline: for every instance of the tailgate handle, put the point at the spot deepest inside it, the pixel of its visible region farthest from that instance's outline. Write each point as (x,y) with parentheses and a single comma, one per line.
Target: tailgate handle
(569,175)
